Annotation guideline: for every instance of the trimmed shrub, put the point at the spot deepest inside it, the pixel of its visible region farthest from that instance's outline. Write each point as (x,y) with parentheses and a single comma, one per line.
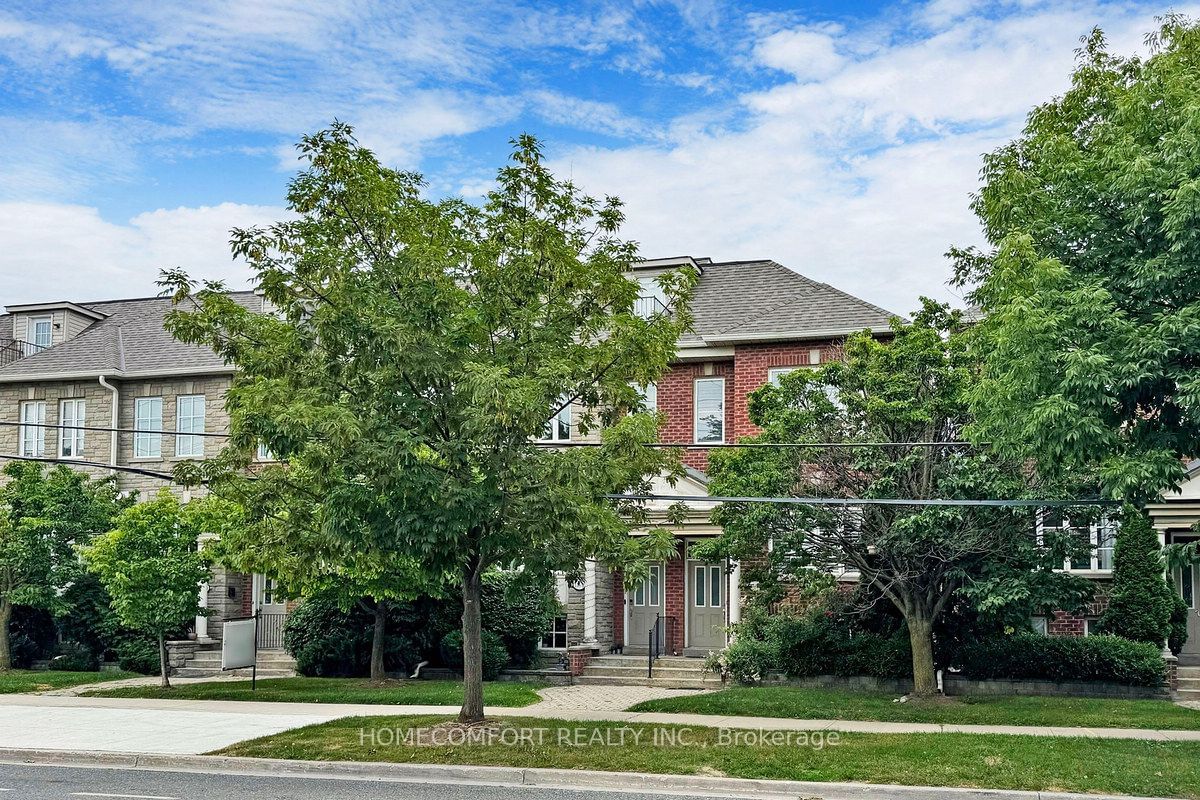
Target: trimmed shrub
(1032,656)
(1178,629)
(32,635)
(329,642)
(138,654)
(826,645)
(75,657)
(519,609)
(1140,606)
(495,656)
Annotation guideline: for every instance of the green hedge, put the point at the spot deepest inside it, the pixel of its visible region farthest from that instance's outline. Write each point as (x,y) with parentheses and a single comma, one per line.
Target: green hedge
(1032,656)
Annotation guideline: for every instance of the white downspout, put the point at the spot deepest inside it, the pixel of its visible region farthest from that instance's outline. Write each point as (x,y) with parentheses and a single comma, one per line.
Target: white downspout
(116,405)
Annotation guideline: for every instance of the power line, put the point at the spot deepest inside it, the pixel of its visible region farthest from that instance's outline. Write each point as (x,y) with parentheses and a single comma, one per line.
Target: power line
(103,429)
(868,501)
(548,444)
(73,462)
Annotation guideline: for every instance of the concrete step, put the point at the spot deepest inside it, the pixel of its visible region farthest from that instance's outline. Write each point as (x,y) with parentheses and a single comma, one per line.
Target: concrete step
(204,672)
(633,672)
(664,683)
(214,659)
(1188,694)
(1189,683)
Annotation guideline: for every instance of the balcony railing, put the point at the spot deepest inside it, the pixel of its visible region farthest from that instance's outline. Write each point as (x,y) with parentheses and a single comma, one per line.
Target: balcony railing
(649,306)
(15,349)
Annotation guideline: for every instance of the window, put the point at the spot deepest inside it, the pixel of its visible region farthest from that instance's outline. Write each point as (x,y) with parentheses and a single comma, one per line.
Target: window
(649,591)
(651,299)
(1091,627)
(558,428)
(1040,625)
(147,417)
(710,410)
(775,373)
(39,332)
(264,453)
(33,435)
(556,637)
(189,418)
(1187,587)
(1095,540)
(706,588)
(649,395)
(70,441)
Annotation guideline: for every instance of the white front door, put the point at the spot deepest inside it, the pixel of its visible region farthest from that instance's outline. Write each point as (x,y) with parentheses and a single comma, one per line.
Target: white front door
(706,605)
(645,604)
(1187,581)
(272,612)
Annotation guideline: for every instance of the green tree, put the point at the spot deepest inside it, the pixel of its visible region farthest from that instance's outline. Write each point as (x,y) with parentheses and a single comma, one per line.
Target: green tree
(44,515)
(1090,289)
(421,348)
(152,566)
(266,527)
(911,389)
(1142,601)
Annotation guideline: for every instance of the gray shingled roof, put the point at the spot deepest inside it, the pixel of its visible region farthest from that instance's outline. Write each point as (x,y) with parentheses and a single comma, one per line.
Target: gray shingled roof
(735,301)
(742,301)
(129,342)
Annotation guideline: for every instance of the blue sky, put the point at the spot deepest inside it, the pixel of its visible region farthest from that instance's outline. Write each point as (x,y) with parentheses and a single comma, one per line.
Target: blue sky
(841,139)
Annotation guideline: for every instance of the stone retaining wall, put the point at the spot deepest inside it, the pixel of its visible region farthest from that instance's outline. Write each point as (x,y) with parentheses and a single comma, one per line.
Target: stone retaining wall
(957,686)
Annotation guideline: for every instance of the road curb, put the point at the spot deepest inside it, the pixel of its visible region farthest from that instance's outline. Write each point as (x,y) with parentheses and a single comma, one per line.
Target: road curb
(516,776)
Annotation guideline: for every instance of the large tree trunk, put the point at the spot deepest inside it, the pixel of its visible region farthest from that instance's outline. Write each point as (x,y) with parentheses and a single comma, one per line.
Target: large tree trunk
(377,641)
(472,631)
(920,635)
(163,666)
(5,648)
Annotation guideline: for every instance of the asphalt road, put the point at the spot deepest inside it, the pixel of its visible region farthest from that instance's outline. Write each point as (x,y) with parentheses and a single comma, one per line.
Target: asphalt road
(39,782)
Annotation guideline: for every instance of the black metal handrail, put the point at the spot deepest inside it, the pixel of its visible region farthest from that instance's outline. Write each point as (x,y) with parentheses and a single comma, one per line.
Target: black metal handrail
(15,349)
(659,641)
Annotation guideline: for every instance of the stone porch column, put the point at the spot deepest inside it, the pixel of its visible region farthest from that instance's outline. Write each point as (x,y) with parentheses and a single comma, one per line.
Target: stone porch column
(589,601)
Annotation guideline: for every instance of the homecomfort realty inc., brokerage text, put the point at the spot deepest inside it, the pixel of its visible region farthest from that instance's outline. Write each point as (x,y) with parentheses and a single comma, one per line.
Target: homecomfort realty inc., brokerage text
(591,736)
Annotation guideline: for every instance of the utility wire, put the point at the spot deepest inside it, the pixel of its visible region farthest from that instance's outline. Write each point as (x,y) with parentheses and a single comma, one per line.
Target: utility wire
(74,462)
(808,501)
(103,429)
(868,501)
(551,445)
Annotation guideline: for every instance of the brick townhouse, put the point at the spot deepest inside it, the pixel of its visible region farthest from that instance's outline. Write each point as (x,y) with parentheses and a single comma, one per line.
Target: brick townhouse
(70,364)
(112,365)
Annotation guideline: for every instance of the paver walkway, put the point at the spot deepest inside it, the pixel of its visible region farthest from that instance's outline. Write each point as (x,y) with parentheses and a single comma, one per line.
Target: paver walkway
(198,726)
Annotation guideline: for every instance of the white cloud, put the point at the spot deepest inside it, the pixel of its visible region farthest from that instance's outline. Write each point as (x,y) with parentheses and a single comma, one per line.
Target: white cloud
(51,251)
(807,52)
(858,170)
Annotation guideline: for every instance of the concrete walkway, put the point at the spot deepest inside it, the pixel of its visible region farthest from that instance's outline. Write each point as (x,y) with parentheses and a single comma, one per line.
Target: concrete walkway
(198,726)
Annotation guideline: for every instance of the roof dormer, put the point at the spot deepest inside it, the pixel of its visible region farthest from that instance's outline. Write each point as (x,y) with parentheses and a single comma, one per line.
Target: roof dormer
(40,326)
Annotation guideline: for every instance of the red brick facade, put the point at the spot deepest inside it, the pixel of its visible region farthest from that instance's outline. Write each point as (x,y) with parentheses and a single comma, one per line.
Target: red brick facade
(674,599)
(1064,624)
(618,609)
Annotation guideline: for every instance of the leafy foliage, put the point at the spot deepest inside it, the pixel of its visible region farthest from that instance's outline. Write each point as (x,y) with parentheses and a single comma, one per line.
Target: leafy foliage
(418,351)
(1091,287)
(519,608)
(74,657)
(1142,601)
(151,565)
(44,516)
(1063,658)
(495,655)
(921,559)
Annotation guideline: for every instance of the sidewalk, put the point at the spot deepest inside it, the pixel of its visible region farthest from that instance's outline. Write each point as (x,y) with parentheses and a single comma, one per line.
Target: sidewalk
(41,722)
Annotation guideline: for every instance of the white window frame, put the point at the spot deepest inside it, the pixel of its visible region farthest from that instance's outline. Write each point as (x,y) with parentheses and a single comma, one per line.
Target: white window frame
(187,424)
(553,432)
(32,436)
(71,412)
(263,453)
(775,373)
(556,633)
(1040,625)
(31,324)
(147,416)
(649,395)
(1100,530)
(696,410)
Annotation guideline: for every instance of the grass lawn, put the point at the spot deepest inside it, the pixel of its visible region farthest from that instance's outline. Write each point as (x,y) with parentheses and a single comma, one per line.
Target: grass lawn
(15,681)
(802,703)
(334,690)
(938,759)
